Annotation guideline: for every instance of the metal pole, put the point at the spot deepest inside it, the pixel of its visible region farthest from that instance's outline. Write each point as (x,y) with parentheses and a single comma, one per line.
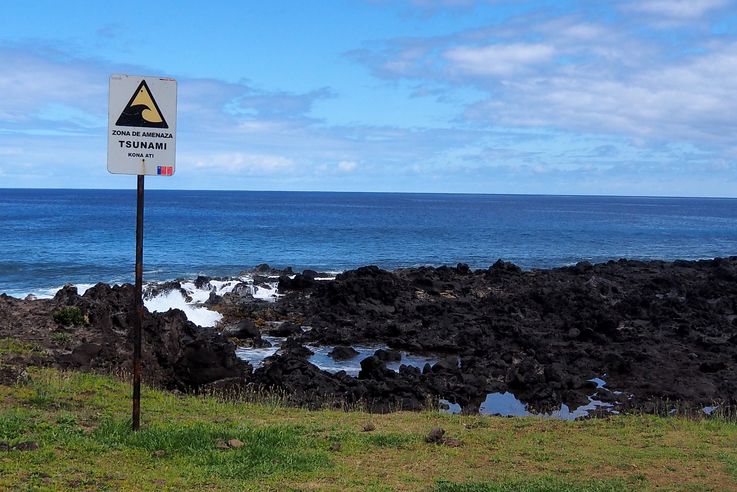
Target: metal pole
(138,304)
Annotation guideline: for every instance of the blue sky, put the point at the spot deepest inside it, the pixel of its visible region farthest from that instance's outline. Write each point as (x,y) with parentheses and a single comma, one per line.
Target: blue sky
(563,97)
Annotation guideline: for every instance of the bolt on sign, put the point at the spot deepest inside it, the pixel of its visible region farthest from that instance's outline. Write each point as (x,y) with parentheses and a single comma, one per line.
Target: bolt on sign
(142,132)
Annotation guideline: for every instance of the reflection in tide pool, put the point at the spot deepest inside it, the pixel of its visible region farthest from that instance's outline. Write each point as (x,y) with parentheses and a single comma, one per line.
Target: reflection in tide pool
(507,405)
(256,356)
(504,404)
(567,414)
(448,407)
(352,366)
(323,361)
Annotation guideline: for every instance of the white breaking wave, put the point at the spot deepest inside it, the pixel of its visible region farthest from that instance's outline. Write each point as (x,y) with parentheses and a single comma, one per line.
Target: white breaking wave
(174,300)
(192,304)
(47,293)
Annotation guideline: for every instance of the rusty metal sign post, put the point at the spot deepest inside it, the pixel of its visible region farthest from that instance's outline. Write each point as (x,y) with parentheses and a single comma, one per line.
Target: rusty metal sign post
(142,114)
(138,323)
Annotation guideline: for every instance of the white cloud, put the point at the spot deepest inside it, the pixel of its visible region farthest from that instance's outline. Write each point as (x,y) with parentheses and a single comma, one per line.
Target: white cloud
(582,75)
(30,82)
(244,163)
(347,166)
(688,99)
(581,31)
(259,127)
(676,9)
(405,61)
(11,151)
(498,59)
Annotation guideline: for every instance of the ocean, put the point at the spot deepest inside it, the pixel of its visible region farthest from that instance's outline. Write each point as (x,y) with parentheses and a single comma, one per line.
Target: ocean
(52,237)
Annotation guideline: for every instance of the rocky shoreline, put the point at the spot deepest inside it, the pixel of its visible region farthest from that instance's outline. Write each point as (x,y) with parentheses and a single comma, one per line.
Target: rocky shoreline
(651,331)
(94,333)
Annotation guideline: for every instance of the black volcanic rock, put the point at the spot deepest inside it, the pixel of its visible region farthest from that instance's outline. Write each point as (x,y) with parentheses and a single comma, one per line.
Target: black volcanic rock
(295,348)
(245,329)
(299,282)
(651,329)
(306,384)
(388,355)
(343,352)
(366,284)
(202,282)
(375,368)
(176,353)
(285,329)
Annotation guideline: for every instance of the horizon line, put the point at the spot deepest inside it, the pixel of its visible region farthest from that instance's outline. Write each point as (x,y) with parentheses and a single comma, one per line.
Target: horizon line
(571,195)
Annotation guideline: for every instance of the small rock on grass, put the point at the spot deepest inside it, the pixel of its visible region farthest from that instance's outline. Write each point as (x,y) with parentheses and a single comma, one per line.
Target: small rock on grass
(159,453)
(369,427)
(26,446)
(435,436)
(229,444)
(235,443)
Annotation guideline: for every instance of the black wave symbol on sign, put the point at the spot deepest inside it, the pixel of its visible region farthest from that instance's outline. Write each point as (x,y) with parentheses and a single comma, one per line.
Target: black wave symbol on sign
(133,116)
(142,110)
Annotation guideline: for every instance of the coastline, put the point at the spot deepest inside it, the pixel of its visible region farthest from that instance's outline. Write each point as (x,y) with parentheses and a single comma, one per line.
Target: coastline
(626,334)
(85,237)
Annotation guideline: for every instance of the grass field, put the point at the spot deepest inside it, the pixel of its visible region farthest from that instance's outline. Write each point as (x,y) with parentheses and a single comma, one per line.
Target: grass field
(80,423)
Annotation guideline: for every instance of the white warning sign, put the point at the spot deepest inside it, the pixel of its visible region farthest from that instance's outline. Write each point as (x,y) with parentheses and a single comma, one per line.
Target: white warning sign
(142,115)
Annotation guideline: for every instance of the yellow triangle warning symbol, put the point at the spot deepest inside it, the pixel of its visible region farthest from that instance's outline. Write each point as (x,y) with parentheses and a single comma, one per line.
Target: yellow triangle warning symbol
(142,110)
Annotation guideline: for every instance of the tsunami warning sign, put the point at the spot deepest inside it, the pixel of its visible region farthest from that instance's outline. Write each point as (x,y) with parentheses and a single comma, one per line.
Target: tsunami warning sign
(142,115)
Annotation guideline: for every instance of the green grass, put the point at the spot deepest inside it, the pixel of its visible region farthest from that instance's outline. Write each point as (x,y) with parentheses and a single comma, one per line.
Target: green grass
(14,422)
(391,440)
(548,484)
(61,337)
(70,316)
(81,424)
(13,347)
(266,451)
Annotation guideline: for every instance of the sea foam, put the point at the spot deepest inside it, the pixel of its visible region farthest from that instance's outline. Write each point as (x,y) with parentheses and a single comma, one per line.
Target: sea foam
(174,299)
(193,302)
